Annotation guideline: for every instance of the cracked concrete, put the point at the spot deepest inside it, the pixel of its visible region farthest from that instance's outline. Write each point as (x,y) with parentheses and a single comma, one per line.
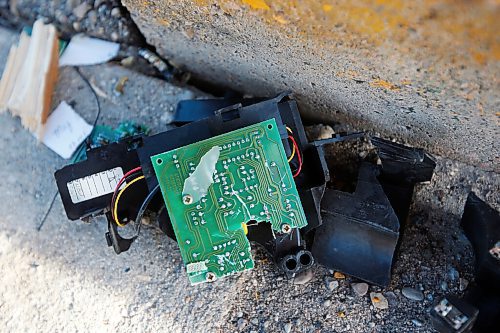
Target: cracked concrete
(425,73)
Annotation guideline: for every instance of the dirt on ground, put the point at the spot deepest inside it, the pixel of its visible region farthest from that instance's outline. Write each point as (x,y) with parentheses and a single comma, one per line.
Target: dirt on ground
(63,278)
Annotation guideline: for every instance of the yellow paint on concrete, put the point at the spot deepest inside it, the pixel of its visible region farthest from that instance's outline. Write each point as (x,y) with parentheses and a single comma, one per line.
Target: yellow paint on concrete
(327,7)
(378,83)
(465,31)
(453,32)
(257,4)
(280,19)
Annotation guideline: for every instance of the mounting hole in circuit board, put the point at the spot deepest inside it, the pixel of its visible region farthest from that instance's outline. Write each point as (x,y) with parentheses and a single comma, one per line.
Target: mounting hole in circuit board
(270,126)
(159,161)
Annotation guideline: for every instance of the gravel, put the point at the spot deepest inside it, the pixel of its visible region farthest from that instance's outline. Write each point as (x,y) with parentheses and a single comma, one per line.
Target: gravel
(106,19)
(331,284)
(242,323)
(81,10)
(463,284)
(417,322)
(360,288)
(392,299)
(379,301)
(303,277)
(413,294)
(453,274)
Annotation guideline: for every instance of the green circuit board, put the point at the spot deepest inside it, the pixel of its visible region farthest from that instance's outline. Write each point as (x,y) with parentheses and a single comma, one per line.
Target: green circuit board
(217,188)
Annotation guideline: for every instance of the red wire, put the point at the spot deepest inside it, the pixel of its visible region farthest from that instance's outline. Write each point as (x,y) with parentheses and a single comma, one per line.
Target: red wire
(120,182)
(299,157)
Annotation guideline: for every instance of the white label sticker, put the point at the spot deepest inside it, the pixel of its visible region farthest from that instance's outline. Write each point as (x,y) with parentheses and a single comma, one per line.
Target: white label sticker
(94,186)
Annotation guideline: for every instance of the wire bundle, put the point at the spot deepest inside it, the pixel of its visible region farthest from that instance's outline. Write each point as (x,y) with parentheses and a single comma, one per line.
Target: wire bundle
(295,152)
(131,177)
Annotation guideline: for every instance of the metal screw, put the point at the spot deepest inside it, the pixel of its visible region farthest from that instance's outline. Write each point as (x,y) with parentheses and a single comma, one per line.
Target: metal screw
(211,277)
(187,199)
(286,228)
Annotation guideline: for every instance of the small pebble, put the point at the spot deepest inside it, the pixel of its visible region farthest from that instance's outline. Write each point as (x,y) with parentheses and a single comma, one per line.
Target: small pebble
(338,275)
(92,17)
(391,298)
(255,321)
(241,324)
(417,322)
(413,294)
(453,274)
(116,12)
(444,286)
(287,327)
(360,288)
(114,36)
(77,26)
(61,16)
(81,10)
(71,4)
(303,277)
(379,301)
(98,3)
(325,132)
(327,303)
(331,284)
(464,283)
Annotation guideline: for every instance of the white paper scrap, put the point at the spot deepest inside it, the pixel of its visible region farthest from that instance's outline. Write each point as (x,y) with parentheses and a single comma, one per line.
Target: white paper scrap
(83,50)
(65,130)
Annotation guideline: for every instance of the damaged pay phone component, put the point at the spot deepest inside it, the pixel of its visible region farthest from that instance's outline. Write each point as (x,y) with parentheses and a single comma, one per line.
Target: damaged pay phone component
(215,189)
(289,240)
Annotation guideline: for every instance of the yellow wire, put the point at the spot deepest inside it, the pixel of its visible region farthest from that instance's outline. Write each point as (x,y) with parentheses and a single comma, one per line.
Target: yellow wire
(293,149)
(115,209)
(293,154)
(245,228)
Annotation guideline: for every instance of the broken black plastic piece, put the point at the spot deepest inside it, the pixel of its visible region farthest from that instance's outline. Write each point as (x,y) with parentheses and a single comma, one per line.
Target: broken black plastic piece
(479,310)
(101,159)
(114,239)
(339,137)
(360,230)
(402,168)
(196,109)
(453,315)
(481,224)
(287,250)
